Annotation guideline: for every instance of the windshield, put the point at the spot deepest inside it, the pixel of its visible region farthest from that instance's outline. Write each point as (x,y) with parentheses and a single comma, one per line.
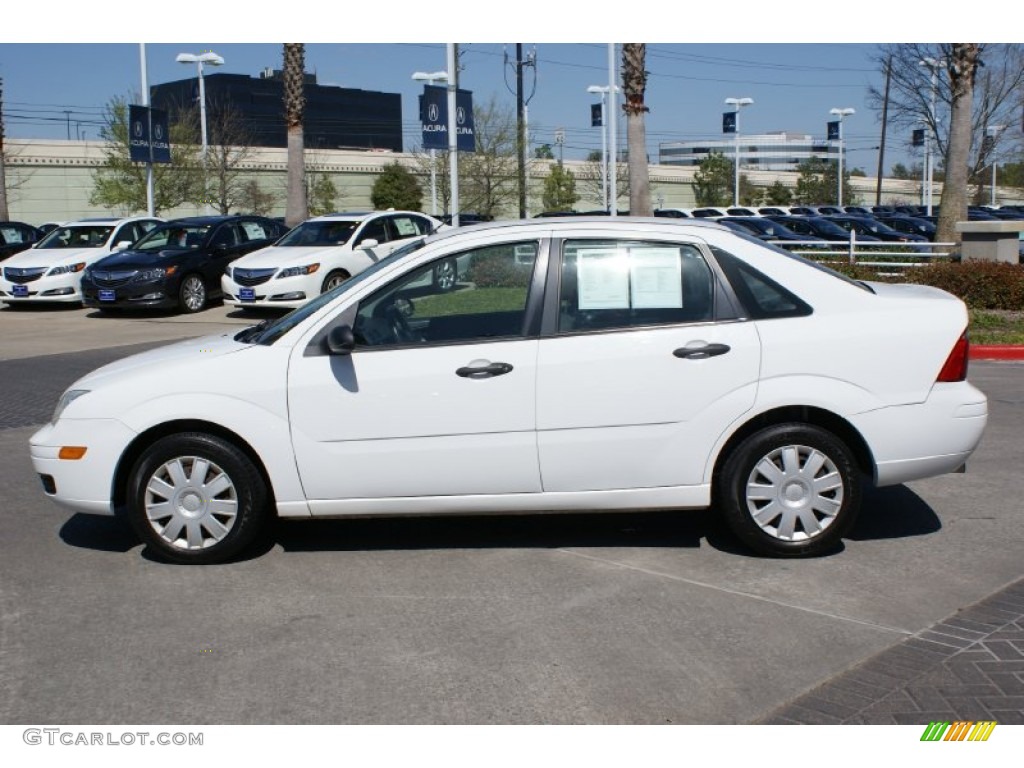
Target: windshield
(823,227)
(319,233)
(173,236)
(77,236)
(269,332)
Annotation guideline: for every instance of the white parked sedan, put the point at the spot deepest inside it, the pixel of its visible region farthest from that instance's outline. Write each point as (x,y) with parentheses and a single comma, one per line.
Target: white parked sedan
(318,255)
(51,271)
(580,364)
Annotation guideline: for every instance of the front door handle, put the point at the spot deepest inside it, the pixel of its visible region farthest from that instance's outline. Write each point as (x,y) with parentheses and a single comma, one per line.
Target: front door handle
(483,371)
(700,353)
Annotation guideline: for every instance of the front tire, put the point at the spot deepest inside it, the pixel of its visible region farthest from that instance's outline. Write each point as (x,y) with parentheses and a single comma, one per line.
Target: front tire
(196,498)
(790,490)
(446,275)
(333,280)
(192,294)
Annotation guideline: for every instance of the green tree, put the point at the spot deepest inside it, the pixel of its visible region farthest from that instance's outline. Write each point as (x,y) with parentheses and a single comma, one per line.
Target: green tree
(119,184)
(712,183)
(818,183)
(560,189)
(544,152)
(321,193)
(252,198)
(778,194)
(594,156)
(900,171)
(396,187)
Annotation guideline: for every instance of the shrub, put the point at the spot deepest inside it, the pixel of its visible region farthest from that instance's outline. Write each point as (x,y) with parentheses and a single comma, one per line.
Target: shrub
(499,270)
(980,284)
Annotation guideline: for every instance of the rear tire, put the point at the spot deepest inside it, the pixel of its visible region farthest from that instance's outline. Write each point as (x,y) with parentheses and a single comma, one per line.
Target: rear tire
(196,498)
(790,490)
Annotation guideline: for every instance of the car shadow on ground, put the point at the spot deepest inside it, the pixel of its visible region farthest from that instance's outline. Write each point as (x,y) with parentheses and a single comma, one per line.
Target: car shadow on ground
(887,513)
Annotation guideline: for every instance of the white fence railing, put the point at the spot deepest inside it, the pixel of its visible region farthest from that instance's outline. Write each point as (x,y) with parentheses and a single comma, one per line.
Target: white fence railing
(866,253)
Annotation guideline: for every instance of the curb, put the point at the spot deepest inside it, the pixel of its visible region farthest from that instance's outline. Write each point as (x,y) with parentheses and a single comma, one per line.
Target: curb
(997,352)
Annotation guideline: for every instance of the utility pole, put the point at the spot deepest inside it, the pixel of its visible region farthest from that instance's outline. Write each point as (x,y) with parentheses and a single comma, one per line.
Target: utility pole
(522,101)
(4,215)
(881,144)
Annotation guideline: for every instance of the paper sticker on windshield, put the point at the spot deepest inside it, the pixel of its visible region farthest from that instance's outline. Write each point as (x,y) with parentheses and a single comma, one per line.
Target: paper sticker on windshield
(656,279)
(602,277)
(405,227)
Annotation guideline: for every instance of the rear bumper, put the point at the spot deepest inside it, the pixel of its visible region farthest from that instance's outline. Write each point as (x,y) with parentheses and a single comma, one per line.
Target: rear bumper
(912,442)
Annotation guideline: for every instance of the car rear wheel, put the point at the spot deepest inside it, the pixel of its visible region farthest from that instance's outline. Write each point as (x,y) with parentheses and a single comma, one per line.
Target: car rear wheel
(333,280)
(192,294)
(790,490)
(196,498)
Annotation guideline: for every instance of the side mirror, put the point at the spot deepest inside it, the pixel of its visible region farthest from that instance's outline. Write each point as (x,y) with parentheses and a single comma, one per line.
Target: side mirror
(369,243)
(220,250)
(340,341)
(122,245)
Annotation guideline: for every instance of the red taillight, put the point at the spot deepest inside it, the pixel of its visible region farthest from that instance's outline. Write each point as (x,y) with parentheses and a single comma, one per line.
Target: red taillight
(955,368)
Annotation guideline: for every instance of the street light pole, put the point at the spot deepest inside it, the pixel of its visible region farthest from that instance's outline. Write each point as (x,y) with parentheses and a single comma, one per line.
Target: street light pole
(213,60)
(841,113)
(934,65)
(993,131)
(605,165)
(613,193)
(150,196)
(737,104)
(430,78)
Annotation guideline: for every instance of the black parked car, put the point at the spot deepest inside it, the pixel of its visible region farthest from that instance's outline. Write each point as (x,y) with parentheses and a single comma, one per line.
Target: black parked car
(16,237)
(177,264)
(817,227)
(909,224)
(866,227)
(763,228)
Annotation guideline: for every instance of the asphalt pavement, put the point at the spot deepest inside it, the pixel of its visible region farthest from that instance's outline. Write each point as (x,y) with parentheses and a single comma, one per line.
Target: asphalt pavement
(603,619)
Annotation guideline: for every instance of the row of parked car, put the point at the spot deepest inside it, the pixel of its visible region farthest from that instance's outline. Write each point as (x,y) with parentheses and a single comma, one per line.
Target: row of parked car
(249,261)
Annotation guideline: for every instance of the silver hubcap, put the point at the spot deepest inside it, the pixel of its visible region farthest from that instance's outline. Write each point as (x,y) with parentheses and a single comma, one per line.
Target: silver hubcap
(446,275)
(333,282)
(191,503)
(794,493)
(194,293)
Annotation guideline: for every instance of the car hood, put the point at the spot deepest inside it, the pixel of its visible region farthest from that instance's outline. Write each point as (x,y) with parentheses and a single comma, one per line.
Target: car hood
(204,348)
(287,256)
(139,259)
(52,257)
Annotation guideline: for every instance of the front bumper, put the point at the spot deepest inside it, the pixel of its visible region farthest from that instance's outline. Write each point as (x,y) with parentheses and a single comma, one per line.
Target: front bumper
(87,484)
(153,294)
(65,288)
(275,293)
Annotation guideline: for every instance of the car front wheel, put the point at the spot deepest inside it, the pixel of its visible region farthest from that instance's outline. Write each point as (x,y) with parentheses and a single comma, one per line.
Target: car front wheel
(446,275)
(196,498)
(192,294)
(333,280)
(790,490)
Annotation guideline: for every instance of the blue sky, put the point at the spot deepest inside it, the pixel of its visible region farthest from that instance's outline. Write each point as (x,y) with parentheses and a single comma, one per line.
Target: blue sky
(57,84)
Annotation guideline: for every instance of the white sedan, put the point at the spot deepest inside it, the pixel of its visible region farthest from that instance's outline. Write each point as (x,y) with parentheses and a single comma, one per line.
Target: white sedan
(580,364)
(51,271)
(318,255)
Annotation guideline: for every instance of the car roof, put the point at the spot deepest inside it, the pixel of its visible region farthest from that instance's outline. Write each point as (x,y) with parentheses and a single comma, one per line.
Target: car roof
(577,222)
(201,220)
(360,215)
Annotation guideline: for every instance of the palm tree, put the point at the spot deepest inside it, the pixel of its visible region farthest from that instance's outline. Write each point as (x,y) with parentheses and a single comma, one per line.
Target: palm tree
(634,82)
(962,66)
(296,209)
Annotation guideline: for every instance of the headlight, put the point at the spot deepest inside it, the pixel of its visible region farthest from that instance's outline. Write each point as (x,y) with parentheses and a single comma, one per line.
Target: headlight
(67,268)
(309,269)
(157,273)
(65,400)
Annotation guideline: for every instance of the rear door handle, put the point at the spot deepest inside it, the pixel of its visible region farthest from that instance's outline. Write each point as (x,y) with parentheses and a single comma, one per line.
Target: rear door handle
(483,371)
(700,353)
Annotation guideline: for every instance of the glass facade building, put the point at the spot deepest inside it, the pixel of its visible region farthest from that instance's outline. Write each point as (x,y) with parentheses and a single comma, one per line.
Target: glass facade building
(758,152)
